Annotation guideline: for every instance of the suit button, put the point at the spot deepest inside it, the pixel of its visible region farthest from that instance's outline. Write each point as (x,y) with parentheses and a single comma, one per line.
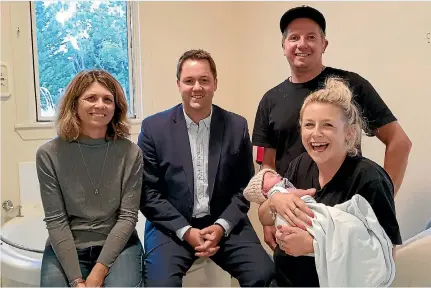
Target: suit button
(190,206)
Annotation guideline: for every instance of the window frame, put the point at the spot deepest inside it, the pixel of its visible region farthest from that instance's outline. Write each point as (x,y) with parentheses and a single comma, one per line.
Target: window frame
(27,124)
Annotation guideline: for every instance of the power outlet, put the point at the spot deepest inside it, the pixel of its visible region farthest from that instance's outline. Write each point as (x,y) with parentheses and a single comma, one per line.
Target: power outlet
(4,82)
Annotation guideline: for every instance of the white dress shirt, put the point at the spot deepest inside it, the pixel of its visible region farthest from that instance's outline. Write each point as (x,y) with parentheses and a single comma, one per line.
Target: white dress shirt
(199,135)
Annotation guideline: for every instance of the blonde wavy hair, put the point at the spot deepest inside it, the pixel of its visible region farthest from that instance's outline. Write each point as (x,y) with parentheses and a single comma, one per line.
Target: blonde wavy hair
(336,92)
(68,122)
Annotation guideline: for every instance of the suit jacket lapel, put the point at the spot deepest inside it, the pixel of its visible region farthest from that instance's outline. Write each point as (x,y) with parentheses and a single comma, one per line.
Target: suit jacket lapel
(182,147)
(215,144)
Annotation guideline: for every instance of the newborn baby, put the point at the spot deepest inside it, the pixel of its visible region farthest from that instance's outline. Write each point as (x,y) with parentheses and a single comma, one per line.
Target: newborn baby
(264,184)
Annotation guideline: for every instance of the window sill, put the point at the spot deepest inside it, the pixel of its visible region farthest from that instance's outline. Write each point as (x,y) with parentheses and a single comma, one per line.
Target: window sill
(46,130)
(36,131)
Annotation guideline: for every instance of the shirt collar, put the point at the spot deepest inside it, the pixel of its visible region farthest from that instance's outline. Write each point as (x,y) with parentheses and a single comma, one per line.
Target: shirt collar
(206,121)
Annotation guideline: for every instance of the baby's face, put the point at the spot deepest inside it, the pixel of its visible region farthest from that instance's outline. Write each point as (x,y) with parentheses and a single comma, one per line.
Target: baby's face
(269,180)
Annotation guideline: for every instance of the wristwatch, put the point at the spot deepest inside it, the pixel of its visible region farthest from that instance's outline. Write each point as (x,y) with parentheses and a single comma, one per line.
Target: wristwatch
(75,282)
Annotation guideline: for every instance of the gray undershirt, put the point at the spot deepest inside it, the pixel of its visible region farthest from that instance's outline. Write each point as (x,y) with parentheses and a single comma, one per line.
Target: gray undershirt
(76,217)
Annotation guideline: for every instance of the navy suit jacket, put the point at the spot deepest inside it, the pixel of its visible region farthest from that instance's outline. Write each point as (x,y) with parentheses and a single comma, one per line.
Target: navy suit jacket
(168,182)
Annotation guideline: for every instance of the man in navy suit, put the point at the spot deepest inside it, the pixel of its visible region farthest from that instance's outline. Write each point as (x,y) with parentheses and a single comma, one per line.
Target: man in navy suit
(197,162)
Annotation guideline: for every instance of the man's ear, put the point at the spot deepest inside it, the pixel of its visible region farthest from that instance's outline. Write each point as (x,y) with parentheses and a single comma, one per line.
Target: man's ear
(178,85)
(325,45)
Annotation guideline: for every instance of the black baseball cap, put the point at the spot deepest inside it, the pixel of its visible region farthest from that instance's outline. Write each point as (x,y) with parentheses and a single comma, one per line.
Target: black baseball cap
(302,12)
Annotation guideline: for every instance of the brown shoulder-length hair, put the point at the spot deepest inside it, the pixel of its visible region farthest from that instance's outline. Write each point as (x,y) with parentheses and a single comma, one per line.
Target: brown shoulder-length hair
(68,122)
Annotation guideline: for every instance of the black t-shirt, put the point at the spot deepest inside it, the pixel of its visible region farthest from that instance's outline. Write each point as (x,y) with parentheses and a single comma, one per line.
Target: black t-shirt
(277,117)
(357,175)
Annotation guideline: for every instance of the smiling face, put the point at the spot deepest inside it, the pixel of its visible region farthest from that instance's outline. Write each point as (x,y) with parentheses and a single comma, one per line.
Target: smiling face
(197,86)
(304,44)
(96,107)
(324,132)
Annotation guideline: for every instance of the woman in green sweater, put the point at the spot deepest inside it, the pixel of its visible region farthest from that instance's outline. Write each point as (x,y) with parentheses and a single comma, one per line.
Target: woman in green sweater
(90,182)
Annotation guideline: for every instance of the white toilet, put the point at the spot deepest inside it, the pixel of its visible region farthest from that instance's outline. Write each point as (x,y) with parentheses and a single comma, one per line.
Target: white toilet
(21,267)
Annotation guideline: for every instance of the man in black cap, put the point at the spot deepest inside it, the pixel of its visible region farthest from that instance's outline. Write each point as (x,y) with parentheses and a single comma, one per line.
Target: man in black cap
(276,125)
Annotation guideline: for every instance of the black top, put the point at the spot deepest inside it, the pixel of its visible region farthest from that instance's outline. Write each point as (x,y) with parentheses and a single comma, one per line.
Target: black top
(357,175)
(277,117)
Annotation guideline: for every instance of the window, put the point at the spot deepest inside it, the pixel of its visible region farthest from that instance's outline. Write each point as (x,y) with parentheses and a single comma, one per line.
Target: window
(70,36)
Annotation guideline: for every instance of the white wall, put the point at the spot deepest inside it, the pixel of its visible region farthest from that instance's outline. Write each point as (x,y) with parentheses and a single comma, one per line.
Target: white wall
(390,49)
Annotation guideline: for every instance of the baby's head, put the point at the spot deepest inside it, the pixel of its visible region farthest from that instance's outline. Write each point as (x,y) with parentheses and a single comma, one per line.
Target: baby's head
(270,178)
(260,184)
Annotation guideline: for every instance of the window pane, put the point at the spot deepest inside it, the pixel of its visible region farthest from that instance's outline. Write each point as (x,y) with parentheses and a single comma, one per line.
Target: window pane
(77,35)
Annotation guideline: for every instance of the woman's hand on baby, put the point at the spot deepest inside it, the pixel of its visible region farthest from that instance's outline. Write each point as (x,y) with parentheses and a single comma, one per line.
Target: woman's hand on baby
(294,241)
(292,208)
(301,192)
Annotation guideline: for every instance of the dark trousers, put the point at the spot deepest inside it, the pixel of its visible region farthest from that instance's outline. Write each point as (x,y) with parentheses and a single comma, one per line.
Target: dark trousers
(241,255)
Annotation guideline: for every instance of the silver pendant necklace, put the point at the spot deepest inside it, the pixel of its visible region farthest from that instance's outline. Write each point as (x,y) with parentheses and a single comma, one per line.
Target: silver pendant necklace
(96,189)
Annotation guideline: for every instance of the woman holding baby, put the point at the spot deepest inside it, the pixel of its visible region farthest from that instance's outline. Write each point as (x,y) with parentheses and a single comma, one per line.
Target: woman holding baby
(333,171)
